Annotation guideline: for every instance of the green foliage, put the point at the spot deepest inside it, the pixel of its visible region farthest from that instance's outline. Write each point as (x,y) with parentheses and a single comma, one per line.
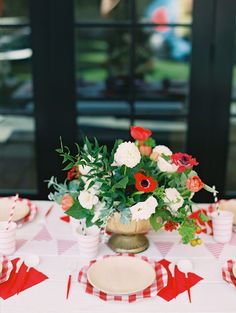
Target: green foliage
(153,221)
(125,216)
(187,231)
(203,217)
(78,212)
(121,184)
(114,187)
(150,142)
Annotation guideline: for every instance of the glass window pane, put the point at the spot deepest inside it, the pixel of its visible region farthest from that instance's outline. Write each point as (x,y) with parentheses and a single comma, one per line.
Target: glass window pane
(165,11)
(163,64)
(104,120)
(14,11)
(171,132)
(102,62)
(17,155)
(15,69)
(102,10)
(111,120)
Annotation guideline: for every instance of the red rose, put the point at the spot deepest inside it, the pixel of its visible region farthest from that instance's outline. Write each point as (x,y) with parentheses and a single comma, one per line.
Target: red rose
(145,150)
(144,183)
(139,133)
(66,202)
(170,226)
(194,184)
(183,161)
(73,173)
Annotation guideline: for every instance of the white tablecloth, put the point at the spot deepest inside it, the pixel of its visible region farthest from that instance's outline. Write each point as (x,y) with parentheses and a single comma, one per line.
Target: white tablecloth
(210,295)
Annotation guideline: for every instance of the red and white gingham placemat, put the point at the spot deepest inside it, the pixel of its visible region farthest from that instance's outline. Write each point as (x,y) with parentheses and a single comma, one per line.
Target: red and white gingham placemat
(33,210)
(151,291)
(227,272)
(6,268)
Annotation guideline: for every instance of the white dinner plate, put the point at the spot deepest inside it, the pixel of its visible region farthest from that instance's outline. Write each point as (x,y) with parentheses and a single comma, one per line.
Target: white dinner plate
(121,275)
(21,209)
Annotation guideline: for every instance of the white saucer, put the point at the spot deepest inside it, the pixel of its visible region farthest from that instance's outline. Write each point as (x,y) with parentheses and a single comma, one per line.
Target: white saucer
(21,209)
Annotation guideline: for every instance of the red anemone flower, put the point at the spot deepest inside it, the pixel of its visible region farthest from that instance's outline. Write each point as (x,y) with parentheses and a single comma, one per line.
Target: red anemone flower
(139,133)
(183,161)
(145,183)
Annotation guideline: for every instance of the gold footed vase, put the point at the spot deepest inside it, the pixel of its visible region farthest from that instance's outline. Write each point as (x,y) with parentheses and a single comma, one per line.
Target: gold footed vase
(128,238)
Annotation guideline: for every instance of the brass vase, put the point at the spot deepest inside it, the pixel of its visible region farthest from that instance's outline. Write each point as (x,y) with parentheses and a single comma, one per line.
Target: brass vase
(128,238)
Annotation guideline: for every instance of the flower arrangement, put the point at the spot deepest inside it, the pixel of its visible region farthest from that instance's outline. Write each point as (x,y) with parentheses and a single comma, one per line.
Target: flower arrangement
(138,179)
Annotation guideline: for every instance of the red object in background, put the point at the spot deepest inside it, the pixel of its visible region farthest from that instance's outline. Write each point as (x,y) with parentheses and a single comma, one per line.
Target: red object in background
(159,16)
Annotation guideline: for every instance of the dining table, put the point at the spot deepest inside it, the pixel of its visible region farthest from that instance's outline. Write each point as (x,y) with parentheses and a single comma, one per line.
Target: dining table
(52,238)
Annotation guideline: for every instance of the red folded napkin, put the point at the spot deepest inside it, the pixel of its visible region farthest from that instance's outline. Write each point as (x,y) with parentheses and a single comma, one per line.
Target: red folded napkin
(168,293)
(11,286)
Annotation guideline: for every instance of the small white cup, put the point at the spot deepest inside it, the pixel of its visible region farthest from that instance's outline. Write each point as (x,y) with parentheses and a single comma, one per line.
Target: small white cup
(89,243)
(222,226)
(7,238)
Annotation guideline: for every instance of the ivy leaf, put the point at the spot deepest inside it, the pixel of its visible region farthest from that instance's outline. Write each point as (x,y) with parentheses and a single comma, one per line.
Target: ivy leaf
(153,221)
(203,217)
(125,216)
(122,183)
(77,211)
(150,142)
(187,231)
(183,179)
(68,167)
(73,185)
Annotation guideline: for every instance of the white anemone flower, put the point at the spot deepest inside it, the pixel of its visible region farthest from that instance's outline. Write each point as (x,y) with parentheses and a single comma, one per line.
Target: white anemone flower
(87,199)
(143,210)
(161,149)
(173,199)
(166,166)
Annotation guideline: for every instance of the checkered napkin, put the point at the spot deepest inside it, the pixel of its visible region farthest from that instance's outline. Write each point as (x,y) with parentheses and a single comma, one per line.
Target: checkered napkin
(227,272)
(151,291)
(33,210)
(6,269)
